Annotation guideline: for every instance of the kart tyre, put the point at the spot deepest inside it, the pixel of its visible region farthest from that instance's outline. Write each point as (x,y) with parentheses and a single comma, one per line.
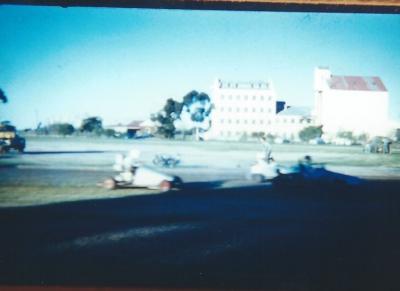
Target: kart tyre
(165,186)
(110,184)
(177,182)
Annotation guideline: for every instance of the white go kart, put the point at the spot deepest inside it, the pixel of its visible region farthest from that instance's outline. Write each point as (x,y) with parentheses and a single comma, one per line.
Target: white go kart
(134,175)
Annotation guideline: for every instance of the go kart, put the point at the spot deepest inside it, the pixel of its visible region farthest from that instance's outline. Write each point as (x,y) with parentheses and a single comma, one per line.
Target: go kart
(143,177)
(303,173)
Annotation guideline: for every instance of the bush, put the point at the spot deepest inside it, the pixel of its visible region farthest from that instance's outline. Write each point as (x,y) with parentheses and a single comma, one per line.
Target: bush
(310,132)
(61,129)
(92,125)
(110,132)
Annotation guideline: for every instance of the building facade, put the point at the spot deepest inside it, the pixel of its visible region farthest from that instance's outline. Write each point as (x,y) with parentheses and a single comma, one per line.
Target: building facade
(350,103)
(242,108)
(290,121)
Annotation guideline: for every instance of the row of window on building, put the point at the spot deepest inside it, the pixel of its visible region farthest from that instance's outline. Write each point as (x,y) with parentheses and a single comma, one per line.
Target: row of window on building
(245,121)
(246,97)
(293,120)
(238,109)
(228,133)
(238,121)
(252,85)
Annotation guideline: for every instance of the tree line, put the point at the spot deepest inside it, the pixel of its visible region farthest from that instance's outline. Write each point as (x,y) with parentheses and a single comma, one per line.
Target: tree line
(89,126)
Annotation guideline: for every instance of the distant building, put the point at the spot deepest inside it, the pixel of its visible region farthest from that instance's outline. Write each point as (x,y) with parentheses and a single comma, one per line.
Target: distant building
(242,108)
(290,121)
(132,129)
(350,103)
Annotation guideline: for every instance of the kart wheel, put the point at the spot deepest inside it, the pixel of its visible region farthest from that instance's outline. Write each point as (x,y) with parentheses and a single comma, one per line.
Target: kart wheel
(165,186)
(257,178)
(177,182)
(109,184)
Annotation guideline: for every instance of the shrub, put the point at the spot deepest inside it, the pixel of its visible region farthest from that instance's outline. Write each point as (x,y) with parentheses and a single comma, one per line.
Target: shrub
(310,132)
(61,129)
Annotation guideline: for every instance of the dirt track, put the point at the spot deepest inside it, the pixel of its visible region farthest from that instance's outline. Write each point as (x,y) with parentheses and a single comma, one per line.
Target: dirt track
(58,169)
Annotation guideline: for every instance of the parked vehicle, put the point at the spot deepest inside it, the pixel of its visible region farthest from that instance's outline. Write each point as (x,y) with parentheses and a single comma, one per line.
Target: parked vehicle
(10,140)
(317,141)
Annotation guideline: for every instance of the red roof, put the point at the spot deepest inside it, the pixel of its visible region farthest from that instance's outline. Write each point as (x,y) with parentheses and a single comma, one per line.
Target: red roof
(356,83)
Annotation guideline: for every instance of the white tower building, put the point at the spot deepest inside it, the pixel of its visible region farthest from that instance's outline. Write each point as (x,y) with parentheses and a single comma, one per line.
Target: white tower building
(350,103)
(241,108)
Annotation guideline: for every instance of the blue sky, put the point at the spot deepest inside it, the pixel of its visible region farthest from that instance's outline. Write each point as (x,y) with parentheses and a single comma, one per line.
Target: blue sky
(122,64)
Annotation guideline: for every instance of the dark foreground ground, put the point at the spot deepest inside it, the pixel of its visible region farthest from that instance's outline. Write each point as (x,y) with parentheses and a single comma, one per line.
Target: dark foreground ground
(248,237)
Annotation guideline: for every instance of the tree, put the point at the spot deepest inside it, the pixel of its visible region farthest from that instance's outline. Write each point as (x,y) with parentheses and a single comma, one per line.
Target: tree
(310,132)
(3,97)
(92,125)
(109,132)
(192,113)
(61,129)
(195,111)
(166,118)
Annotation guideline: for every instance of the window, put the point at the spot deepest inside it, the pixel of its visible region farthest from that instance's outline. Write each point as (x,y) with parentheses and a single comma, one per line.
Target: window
(262,98)
(254,109)
(237,121)
(254,97)
(261,109)
(246,97)
(245,110)
(254,122)
(292,120)
(222,97)
(261,121)
(238,97)
(230,97)
(269,98)
(269,110)
(229,121)
(230,109)
(222,120)
(245,121)
(238,109)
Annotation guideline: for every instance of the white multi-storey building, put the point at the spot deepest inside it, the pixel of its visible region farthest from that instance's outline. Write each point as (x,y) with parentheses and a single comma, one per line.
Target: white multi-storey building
(242,108)
(350,103)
